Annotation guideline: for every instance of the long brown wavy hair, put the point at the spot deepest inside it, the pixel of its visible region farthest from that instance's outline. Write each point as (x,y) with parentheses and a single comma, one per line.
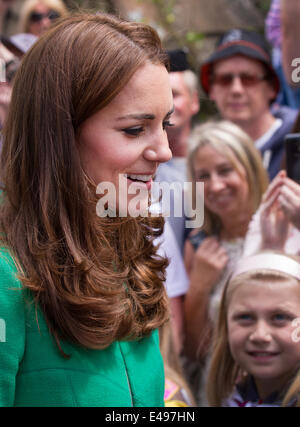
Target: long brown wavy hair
(97,280)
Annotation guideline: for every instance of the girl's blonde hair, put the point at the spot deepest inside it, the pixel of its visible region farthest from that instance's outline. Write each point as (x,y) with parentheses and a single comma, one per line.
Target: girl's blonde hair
(29,6)
(232,142)
(223,370)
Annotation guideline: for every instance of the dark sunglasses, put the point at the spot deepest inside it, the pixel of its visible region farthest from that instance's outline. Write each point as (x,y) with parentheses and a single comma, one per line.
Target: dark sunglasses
(37,17)
(246,79)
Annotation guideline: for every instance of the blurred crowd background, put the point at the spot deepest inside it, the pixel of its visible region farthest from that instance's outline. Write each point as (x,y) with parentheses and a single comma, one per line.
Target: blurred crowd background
(195,25)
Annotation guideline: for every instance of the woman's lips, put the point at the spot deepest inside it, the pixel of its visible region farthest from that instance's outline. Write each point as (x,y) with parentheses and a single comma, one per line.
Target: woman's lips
(222,200)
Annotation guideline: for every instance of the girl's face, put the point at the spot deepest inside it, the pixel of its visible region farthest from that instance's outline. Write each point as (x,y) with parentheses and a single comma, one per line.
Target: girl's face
(226,190)
(262,335)
(128,137)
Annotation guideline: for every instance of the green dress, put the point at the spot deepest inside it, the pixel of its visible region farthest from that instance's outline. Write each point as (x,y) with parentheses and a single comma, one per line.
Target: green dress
(34,373)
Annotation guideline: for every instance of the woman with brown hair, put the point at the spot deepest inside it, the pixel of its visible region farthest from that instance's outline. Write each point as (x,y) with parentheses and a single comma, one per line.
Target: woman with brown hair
(82,296)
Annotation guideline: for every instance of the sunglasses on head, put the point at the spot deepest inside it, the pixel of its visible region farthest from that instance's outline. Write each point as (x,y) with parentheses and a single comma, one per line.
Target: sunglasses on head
(246,79)
(37,17)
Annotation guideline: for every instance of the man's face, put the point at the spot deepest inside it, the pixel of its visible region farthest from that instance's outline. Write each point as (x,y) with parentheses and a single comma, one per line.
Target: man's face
(238,101)
(185,103)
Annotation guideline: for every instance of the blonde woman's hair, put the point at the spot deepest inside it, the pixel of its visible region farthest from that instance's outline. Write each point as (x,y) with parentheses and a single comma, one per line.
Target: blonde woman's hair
(29,5)
(224,372)
(231,141)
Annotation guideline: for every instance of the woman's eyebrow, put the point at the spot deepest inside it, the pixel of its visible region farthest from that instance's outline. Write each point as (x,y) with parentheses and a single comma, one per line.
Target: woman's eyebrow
(143,116)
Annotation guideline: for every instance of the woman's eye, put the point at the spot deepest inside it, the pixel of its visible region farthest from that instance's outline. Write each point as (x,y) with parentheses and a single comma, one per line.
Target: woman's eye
(167,124)
(134,131)
(202,177)
(225,171)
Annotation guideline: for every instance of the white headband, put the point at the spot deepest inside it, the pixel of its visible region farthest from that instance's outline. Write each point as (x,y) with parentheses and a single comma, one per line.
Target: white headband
(268,261)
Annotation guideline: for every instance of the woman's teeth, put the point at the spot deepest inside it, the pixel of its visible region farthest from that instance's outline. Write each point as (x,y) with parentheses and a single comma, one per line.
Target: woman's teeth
(144,178)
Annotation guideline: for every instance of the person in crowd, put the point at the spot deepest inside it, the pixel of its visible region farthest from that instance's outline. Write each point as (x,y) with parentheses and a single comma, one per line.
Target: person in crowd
(184,83)
(8,65)
(224,158)
(176,283)
(256,353)
(5,6)
(240,78)
(81,293)
(37,16)
(287,95)
(276,225)
(13,49)
(289,199)
(177,390)
(5,95)
(19,44)
(290,15)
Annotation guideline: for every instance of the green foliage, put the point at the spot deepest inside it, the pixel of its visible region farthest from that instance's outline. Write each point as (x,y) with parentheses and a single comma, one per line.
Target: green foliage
(192,37)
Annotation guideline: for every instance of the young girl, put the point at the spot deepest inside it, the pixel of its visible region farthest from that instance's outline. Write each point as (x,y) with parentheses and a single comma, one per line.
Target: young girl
(256,351)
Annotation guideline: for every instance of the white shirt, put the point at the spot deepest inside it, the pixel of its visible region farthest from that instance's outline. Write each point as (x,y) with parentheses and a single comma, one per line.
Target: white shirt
(177,281)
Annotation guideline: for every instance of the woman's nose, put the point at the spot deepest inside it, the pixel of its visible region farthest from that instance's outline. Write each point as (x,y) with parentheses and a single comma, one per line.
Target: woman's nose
(45,23)
(159,151)
(216,183)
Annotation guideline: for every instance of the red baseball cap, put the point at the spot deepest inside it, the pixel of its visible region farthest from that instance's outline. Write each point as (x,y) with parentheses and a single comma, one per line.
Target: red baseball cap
(239,42)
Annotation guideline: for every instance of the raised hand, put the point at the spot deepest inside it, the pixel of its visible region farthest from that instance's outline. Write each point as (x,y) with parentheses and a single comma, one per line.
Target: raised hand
(274,221)
(289,201)
(209,262)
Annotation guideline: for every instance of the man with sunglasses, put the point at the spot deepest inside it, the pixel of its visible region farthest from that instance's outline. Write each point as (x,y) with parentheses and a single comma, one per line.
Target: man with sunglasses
(240,78)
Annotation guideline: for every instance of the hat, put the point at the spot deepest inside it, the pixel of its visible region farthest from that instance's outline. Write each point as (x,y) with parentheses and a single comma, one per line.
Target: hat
(178,60)
(20,43)
(239,42)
